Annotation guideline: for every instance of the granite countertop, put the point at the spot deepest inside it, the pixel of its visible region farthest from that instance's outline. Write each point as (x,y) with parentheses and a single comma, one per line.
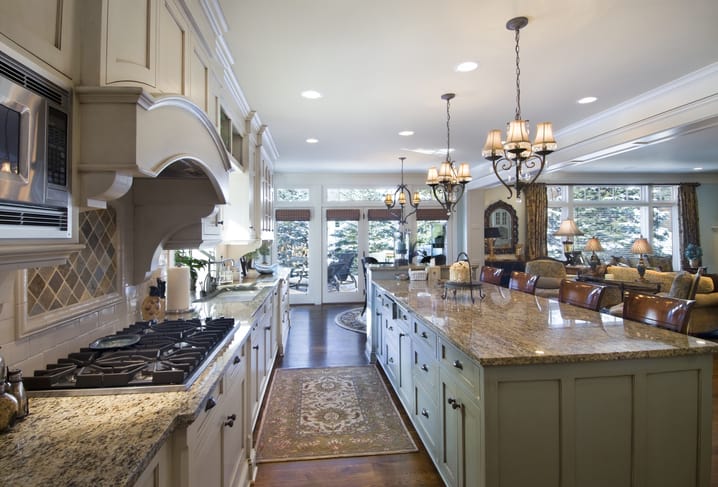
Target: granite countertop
(109,440)
(514,328)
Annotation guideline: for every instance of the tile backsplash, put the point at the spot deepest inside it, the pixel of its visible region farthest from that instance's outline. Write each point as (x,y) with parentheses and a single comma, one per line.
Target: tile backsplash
(90,273)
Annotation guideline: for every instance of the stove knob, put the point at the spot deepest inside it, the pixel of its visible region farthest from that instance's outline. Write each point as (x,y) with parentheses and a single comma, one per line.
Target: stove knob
(210,404)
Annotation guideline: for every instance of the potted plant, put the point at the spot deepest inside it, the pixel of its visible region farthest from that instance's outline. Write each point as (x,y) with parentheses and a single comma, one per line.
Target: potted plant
(693,253)
(264,251)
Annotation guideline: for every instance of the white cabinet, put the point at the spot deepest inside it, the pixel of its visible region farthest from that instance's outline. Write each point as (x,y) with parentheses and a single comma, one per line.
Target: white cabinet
(398,360)
(159,472)
(262,351)
(281,314)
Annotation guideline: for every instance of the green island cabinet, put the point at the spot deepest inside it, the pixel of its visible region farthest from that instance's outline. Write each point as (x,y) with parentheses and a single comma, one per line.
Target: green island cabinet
(602,402)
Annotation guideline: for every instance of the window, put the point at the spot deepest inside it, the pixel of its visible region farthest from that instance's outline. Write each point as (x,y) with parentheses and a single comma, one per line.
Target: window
(358,194)
(617,215)
(300,194)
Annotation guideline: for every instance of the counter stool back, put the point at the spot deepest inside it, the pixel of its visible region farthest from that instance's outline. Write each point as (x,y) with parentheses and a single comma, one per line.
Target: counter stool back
(522,281)
(661,311)
(492,275)
(579,293)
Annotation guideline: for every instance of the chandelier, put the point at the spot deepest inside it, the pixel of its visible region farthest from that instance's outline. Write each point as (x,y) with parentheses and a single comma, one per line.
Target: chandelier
(402,195)
(517,159)
(447,183)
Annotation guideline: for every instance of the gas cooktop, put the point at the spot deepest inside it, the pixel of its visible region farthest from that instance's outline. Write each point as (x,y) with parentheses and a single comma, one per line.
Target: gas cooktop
(147,356)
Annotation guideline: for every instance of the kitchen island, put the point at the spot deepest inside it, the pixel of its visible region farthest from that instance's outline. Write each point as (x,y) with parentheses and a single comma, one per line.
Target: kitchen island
(127,439)
(522,390)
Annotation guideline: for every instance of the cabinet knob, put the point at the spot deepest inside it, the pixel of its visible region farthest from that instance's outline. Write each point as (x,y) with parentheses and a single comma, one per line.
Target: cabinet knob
(236,360)
(230,420)
(424,335)
(391,360)
(458,364)
(210,404)
(424,412)
(424,368)
(256,347)
(454,403)
(267,327)
(402,335)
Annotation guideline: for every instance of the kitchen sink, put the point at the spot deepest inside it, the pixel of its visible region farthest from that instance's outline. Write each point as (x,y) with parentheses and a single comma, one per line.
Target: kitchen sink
(237,293)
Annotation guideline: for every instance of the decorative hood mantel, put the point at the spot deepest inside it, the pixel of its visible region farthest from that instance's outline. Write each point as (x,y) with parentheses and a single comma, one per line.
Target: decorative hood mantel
(165,148)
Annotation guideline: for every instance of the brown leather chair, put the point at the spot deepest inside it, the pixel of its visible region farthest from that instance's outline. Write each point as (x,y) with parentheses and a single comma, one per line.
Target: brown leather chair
(661,311)
(522,281)
(579,293)
(492,275)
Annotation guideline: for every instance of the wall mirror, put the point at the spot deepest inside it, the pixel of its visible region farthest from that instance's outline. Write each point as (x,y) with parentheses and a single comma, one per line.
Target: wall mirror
(502,216)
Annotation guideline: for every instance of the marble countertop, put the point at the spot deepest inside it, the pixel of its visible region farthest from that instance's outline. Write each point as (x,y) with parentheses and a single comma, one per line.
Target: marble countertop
(514,328)
(109,440)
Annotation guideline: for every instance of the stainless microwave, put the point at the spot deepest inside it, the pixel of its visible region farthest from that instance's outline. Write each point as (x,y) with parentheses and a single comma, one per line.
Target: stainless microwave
(34,155)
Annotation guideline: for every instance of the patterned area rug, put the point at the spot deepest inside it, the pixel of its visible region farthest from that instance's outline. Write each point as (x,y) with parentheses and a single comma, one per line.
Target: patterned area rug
(352,320)
(329,413)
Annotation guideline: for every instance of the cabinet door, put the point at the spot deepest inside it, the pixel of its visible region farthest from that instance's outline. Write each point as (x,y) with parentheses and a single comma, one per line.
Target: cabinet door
(235,456)
(406,384)
(461,459)
(256,371)
(205,446)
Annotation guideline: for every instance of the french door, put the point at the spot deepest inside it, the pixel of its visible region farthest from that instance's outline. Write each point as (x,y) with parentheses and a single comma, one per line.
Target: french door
(349,235)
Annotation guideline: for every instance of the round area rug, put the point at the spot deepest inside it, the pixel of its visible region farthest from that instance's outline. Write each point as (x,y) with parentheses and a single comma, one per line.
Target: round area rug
(352,320)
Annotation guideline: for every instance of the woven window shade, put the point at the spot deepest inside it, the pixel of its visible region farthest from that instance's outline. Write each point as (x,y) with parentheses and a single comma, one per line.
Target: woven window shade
(423,214)
(285,215)
(376,214)
(343,214)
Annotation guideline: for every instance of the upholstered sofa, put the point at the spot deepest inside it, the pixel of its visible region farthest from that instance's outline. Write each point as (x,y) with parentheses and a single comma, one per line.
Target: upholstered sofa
(704,317)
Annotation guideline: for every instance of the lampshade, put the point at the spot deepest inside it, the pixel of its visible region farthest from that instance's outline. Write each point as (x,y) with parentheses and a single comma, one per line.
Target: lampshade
(641,246)
(594,245)
(492,232)
(568,228)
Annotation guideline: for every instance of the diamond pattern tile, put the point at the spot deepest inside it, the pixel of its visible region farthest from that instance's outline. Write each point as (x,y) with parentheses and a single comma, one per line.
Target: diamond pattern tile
(89,274)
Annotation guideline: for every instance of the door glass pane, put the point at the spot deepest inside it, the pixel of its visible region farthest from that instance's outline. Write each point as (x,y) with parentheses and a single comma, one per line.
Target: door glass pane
(342,249)
(662,240)
(382,234)
(430,238)
(293,252)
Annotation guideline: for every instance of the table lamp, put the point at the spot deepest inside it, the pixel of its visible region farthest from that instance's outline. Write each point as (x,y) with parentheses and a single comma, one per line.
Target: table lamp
(569,230)
(641,247)
(594,245)
(491,233)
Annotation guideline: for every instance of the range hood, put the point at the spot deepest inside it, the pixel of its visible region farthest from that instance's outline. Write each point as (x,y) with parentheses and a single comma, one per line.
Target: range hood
(165,148)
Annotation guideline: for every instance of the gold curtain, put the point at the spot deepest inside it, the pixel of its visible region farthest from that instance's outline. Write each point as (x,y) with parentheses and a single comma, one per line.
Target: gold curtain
(688,217)
(536,221)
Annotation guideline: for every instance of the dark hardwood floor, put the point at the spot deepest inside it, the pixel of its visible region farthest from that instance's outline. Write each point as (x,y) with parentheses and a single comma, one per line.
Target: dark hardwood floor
(316,341)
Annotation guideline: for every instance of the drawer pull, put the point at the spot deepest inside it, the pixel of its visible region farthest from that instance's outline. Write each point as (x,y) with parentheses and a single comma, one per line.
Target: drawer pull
(454,403)
(424,335)
(458,364)
(391,360)
(268,327)
(210,404)
(424,368)
(230,420)
(424,412)
(236,360)
(391,328)
(402,335)
(256,347)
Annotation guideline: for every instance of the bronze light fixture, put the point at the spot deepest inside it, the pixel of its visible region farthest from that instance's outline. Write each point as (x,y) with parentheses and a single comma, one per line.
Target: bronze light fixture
(402,195)
(448,183)
(516,161)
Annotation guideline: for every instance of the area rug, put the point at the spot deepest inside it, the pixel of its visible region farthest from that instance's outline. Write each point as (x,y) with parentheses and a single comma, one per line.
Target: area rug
(352,320)
(329,413)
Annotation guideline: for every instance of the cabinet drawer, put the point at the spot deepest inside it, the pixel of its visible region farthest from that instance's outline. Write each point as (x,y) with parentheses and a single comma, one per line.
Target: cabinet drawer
(459,366)
(424,334)
(237,367)
(427,419)
(425,366)
(391,358)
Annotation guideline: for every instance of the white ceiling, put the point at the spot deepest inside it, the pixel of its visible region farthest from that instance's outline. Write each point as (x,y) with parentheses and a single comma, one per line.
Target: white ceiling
(382,66)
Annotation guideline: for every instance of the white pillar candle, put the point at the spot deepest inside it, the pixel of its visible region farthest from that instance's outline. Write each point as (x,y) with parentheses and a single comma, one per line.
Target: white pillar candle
(178,292)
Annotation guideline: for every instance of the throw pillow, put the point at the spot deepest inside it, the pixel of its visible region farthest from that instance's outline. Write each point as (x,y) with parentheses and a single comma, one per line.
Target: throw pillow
(681,285)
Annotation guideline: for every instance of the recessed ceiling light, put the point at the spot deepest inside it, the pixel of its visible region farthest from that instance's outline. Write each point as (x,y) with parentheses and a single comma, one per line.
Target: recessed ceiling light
(466,67)
(697,168)
(587,99)
(311,140)
(406,133)
(311,94)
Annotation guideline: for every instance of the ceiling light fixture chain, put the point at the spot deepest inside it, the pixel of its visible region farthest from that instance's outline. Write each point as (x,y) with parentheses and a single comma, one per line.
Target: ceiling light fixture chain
(517,163)
(402,195)
(448,184)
